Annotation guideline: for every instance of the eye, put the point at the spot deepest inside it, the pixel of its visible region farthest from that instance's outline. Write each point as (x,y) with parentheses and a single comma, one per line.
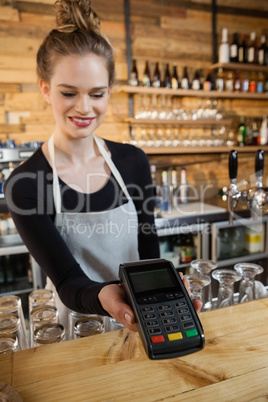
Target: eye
(68,94)
(98,95)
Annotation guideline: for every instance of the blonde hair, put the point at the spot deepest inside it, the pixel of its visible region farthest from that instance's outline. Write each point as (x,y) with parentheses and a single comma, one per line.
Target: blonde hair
(77,32)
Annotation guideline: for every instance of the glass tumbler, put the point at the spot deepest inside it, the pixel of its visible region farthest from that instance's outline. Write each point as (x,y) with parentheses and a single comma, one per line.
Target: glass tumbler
(8,343)
(40,297)
(197,282)
(226,279)
(42,315)
(204,267)
(81,325)
(48,333)
(247,284)
(10,323)
(11,304)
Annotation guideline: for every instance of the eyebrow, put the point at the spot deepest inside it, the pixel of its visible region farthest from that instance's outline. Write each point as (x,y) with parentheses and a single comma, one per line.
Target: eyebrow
(73,87)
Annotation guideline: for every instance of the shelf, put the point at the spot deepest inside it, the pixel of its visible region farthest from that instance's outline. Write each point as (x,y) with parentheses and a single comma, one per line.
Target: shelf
(198,150)
(193,123)
(191,93)
(239,66)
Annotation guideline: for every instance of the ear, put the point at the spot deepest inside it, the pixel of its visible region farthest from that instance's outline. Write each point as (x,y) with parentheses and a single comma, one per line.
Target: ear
(45,90)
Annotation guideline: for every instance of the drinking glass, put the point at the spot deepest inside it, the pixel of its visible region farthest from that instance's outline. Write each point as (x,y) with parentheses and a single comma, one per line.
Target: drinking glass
(196,283)
(49,333)
(226,279)
(11,324)
(8,343)
(11,304)
(42,315)
(247,285)
(204,267)
(80,325)
(111,324)
(40,297)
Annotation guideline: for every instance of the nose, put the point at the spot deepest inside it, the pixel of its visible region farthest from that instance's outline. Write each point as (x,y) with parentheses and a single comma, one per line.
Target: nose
(83,104)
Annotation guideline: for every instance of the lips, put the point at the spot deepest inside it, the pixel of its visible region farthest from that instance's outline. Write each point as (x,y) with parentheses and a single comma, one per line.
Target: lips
(81,121)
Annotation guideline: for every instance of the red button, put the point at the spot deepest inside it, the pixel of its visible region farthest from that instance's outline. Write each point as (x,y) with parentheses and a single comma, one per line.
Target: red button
(157,339)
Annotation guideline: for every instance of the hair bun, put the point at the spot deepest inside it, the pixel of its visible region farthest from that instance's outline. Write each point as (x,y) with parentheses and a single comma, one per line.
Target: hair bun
(76,14)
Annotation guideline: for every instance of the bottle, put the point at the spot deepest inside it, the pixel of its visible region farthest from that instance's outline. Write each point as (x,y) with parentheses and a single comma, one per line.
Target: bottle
(237,82)
(255,134)
(134,78)
(207,86)
(187,248)
(243,50)
(252,49)
(165,204)
(229,83)
(185,78)
(174,188)
(234,49)
(184,189)
(224,50)
(260,82)
(264,131)
(196,81)
(167,77)
(220,80)
(252,82)
(241,134)
(245,82)
(156,77)
(146,78)
(262,52)
(175,78)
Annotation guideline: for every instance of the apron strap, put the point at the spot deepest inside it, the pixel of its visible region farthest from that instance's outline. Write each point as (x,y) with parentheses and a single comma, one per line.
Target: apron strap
(107,158)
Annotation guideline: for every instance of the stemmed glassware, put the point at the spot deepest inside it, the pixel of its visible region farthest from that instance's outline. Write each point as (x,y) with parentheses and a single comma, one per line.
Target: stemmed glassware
(197,282)
(247,284)
(204,267)
(226,279)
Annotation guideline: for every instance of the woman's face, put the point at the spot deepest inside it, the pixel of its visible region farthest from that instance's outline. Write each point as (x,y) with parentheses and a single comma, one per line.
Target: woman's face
(78,93)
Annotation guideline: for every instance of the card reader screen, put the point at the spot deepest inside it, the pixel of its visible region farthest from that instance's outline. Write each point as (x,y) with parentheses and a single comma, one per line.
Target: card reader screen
(152,280)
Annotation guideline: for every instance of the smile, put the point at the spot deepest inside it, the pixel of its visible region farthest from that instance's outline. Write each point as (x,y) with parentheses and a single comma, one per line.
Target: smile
(81,121)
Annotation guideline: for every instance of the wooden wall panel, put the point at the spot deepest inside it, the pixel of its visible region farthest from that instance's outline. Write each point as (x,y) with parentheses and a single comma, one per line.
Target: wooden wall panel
(161,30)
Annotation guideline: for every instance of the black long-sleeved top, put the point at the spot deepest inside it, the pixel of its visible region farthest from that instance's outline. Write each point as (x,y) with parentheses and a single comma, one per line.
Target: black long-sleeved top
(29,197)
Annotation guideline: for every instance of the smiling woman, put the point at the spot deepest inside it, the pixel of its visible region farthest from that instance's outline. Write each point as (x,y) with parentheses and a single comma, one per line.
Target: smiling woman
(79,181)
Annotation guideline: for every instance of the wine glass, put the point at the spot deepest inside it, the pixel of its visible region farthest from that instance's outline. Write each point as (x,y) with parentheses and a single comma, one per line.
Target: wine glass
(247,285)
(204,267)
(226,279)
(196,283)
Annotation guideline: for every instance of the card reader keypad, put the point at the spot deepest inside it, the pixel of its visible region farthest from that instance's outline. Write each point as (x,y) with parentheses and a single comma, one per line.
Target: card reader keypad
(169,319)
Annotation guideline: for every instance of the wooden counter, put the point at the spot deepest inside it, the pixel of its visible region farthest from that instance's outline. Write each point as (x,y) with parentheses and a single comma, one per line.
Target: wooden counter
(233,366)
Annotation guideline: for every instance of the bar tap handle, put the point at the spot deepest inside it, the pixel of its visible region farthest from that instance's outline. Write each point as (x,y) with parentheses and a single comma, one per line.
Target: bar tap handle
(259,166)
(233,193)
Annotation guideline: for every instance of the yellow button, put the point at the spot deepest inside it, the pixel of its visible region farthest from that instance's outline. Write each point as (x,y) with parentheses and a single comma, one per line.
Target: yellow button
(175,337)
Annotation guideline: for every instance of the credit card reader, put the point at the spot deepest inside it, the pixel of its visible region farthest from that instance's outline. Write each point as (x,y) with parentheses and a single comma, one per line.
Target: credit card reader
(165,317)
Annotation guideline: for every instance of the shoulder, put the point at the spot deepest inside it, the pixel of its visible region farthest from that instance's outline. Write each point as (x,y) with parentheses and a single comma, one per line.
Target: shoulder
(123,151)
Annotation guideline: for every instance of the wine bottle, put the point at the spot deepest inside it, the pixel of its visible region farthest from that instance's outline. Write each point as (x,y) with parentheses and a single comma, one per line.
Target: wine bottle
(156,77)
(175,78)
(146,78)
(208,82)
(224,50)
(167,77)
(134,78)
(252,49)
(220,80)
(255,134)
(234,49)
(185,78)
(241,134)
(165,203)
(229,83)
(243,50)
(196,81)
(184,189)
(262,52)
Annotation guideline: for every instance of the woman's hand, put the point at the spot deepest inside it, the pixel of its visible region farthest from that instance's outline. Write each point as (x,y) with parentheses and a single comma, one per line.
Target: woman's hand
(113,300)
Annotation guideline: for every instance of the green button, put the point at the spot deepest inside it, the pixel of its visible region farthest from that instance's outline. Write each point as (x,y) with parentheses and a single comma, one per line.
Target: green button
(191,332)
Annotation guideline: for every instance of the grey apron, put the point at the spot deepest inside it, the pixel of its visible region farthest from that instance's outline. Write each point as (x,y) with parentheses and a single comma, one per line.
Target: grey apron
(99,241)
